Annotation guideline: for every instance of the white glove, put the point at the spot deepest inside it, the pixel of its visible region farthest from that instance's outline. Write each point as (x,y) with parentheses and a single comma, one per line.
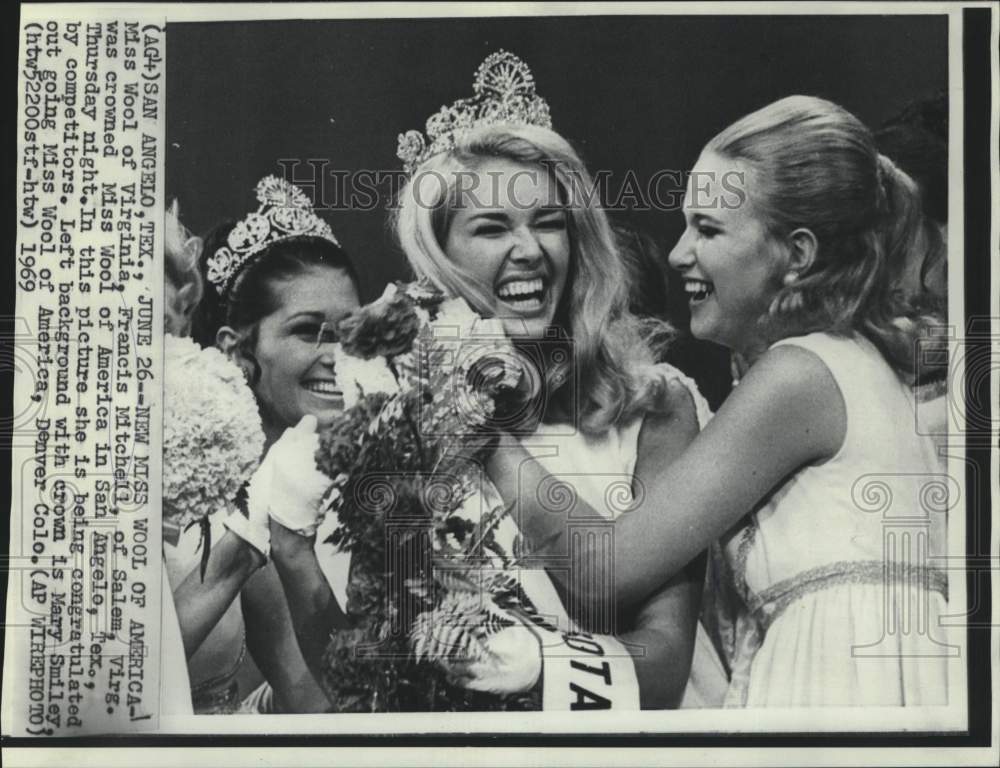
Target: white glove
(296,487)
(513,663)
(255,529)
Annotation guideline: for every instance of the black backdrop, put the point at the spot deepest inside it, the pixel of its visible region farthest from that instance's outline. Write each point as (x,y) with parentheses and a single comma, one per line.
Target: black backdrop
(639,94)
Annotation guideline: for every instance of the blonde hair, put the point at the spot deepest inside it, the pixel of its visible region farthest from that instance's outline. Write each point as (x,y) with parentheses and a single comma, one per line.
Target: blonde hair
(181,251)
(612,353)
(815,165)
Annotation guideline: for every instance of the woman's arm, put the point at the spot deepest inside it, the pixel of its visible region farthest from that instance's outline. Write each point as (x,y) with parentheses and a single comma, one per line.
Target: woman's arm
(290,609)
(662,633)
(659,636)
(273,645)
(786,413)
(201,603)
(312,606)
(662,639)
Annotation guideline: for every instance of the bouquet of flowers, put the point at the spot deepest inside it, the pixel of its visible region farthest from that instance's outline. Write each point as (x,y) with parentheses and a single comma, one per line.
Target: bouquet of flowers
(423,380)
(212,435)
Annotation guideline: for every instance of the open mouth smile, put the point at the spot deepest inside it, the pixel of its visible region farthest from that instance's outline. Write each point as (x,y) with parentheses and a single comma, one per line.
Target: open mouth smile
(698,290)
(525,297)
(327,390)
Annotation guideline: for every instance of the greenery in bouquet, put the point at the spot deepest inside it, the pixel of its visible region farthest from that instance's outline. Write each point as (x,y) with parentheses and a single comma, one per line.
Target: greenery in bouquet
(422,377)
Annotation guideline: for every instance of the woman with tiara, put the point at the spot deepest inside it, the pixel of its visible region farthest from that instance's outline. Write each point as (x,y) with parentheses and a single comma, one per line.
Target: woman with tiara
(499,211)
(276,281)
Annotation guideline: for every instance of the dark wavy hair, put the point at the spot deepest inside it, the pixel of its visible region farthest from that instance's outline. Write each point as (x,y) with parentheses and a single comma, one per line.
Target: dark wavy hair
(814,165)
(251,296)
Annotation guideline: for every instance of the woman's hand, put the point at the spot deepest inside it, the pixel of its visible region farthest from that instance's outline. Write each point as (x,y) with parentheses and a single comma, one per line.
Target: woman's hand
(512,663)
(295,487)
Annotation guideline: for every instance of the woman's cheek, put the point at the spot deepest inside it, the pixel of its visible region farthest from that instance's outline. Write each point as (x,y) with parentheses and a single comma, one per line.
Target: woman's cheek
(303,354)
(556,243)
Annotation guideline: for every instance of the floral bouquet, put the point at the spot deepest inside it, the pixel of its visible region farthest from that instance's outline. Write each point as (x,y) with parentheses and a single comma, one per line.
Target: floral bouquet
(424,379)
(212,435)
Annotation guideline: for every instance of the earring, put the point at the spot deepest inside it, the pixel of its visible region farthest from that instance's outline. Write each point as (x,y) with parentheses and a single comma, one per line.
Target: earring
(790,278)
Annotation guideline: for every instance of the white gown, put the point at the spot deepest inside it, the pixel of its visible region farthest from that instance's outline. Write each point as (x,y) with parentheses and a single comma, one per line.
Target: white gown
(838,571)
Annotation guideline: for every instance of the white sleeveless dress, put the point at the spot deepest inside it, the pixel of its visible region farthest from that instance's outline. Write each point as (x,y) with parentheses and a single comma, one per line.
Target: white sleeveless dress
(840,596)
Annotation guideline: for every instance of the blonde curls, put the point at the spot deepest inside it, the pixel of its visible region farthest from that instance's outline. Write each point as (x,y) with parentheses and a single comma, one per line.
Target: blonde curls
(612,354)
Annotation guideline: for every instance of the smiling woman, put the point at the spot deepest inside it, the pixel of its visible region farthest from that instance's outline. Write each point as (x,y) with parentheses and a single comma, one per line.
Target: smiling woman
(516,231)
(516,206)
(496,213)
(514,243)
(798,281)
(293,351)
(728,262)
(279,282)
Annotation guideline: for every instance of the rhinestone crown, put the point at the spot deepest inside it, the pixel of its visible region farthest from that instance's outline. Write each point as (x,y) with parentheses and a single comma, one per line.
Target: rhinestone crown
(284,212)
(504,91)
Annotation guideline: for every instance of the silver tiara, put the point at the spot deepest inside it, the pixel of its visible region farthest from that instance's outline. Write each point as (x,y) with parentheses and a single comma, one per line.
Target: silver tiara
(504,93)
(284,212)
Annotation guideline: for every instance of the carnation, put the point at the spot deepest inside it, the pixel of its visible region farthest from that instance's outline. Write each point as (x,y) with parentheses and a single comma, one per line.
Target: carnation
(359,377)
(384,328)
(212,433)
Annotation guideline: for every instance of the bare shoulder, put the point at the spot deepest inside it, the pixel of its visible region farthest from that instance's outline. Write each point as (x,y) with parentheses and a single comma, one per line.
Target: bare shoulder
(793,374)
(792,389)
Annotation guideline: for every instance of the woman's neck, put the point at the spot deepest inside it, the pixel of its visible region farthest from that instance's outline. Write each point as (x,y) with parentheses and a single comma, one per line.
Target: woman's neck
(742,358)
(751,351)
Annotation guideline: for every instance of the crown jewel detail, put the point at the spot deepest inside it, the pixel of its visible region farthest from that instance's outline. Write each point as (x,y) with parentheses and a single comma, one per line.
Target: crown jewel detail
(504,91)
(284,212)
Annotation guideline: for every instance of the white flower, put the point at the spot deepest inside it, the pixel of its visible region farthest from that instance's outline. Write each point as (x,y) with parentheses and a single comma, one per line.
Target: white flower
(423,315)
(455,320)
(358,377)
(212,433)
(458,322)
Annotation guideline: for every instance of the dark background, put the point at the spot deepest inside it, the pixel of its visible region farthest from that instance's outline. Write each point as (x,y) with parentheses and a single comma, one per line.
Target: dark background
(639,93)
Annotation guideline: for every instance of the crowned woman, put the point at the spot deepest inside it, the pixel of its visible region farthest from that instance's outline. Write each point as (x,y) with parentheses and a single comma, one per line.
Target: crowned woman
(499,211)
(275,281)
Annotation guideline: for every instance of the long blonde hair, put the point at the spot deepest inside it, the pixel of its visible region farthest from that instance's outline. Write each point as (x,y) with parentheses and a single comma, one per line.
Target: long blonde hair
(612,351)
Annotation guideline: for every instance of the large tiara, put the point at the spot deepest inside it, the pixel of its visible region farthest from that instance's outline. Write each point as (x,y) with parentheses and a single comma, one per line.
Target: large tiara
(504,93)
(284,212)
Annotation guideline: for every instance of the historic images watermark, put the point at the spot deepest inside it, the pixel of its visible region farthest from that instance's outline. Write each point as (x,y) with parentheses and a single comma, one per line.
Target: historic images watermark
(336,189)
